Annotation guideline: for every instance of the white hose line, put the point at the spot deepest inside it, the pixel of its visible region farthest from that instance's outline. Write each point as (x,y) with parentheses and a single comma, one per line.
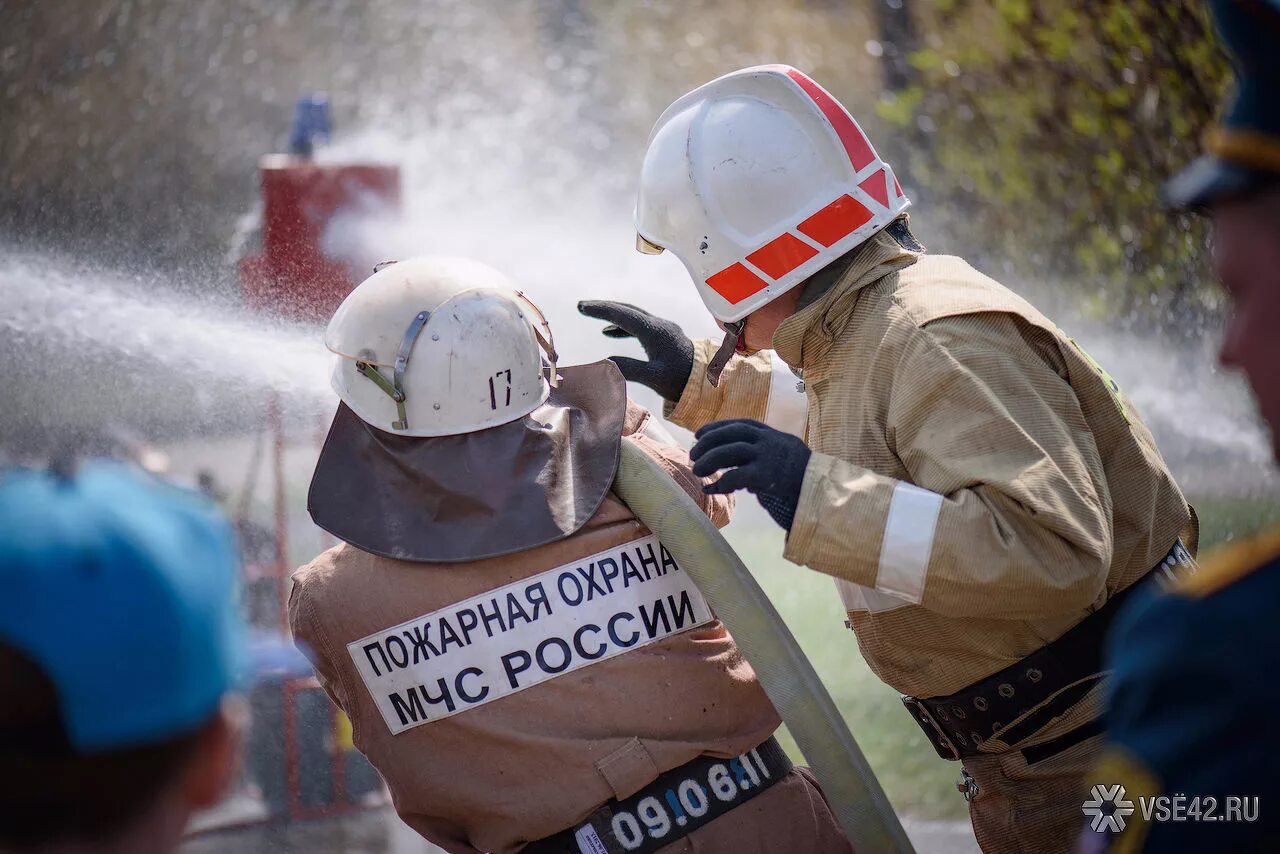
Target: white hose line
(856,798)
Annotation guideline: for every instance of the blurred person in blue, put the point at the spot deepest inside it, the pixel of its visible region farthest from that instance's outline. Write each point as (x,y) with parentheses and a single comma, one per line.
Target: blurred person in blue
(120,649)
(1193,689)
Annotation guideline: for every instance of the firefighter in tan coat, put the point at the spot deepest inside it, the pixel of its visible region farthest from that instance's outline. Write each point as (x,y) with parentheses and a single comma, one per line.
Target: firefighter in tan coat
(524,663)
(981,489)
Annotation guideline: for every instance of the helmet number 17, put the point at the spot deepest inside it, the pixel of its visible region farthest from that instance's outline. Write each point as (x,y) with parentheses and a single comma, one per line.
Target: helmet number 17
(495,389)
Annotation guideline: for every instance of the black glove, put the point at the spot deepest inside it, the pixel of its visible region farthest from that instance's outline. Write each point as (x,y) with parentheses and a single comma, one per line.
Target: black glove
(669,350)
(760,459)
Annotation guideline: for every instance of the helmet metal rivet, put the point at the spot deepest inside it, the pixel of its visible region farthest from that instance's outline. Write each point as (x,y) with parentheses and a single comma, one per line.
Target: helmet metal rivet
(435,336)
(435,406)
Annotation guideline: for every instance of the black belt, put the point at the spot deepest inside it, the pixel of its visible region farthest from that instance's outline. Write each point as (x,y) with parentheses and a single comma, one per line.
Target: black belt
(958,724)
(671,807)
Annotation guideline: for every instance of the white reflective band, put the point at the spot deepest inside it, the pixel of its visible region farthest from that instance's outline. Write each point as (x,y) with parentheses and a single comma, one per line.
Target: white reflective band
(655,430)
(787,408)
(855,597)
(851,595)
(505,640)
(908,541)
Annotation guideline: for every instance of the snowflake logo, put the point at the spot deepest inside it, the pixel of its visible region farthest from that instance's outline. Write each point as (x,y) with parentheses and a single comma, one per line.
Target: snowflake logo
(1107,808)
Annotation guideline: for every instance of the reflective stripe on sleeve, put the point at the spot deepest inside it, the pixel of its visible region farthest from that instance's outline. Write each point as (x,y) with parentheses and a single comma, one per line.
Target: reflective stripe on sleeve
(787,408)
(855,597)
(851,595)
(657,431)
(908,541)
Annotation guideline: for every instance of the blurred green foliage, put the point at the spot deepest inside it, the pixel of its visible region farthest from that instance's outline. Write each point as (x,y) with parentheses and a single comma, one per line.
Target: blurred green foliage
(1046,129)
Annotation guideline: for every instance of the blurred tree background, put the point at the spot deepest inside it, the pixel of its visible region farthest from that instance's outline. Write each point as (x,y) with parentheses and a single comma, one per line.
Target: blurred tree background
(1043,131)
(1032,134)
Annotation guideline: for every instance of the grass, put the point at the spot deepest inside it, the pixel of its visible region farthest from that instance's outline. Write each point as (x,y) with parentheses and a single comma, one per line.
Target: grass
(1225,519)
(916,780)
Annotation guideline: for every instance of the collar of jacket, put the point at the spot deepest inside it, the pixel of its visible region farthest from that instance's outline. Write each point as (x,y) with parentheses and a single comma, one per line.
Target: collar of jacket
(805,337)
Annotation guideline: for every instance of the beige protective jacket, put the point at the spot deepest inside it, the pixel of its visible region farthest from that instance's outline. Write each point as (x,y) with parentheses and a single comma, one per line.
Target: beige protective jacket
(526,765)
(978,484)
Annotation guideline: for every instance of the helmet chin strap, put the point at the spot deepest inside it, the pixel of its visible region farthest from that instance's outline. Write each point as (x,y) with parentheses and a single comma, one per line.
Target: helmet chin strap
(394,387)
(732,332)
(547,342)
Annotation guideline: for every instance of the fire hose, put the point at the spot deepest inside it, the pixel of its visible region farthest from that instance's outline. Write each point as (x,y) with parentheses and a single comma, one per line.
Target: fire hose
(854,793)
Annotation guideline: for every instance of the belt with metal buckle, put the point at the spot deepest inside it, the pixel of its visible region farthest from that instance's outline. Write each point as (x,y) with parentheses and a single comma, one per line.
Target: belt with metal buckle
(958,724)
(671,807)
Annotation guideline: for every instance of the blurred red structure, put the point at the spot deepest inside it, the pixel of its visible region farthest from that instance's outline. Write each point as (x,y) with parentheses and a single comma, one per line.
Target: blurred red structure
(293,277)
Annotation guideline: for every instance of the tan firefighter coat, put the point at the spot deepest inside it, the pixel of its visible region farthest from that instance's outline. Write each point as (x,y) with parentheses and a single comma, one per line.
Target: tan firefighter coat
(978,484)
(491,774)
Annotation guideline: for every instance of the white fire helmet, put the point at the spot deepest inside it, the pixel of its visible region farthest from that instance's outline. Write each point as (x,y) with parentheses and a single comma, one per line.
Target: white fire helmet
(439,346)
(756,181)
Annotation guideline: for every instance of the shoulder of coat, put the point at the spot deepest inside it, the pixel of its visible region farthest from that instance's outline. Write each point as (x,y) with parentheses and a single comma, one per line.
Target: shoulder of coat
(331,566)
(939,286)
(1232,563)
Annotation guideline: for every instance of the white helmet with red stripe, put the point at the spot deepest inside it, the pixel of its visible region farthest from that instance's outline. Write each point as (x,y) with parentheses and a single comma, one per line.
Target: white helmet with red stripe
(756,181)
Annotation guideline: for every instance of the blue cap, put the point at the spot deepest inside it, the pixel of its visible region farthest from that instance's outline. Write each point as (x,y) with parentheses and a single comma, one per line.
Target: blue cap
(272,658)
(1243,148)
(125,591)
(311,121)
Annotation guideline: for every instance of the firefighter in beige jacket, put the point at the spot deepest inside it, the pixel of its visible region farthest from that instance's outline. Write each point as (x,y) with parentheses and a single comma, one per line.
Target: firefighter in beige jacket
(523,662)
(982,490)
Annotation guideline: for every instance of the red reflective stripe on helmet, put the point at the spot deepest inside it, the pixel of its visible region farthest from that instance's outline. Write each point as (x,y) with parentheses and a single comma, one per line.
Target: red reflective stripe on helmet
(877,187)
(835,221)
(855,144)
(735,283)
(897,188)
(781,255)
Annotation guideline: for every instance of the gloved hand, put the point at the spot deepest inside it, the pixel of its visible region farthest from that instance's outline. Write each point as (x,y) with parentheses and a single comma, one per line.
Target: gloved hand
(760,459)
(669,350)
